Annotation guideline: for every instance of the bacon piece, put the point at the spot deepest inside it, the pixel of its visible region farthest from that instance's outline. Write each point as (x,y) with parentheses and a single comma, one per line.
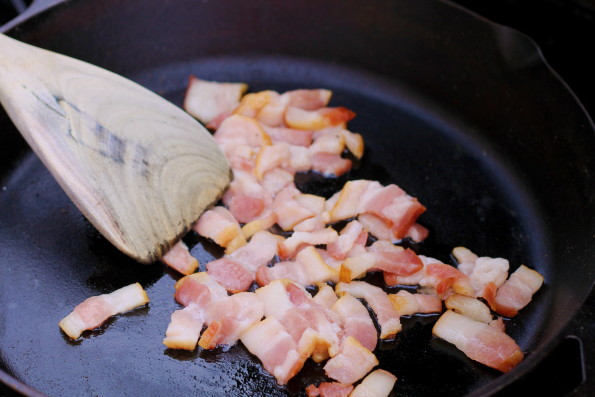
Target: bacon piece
(289,246)
(352,363)
(271,157)
(329,389)
(378,383)
(353,233)
(206,100)
(308,269)
(231,274)
(309,99)
(392,279)
(240,139)
(356,321)
(289,211)
(93,311)
(330,141)
(184,328)
(219,225)
(289,135)
(191,290)
(325,296)
(228,318)
(479,341)
(377,299)
(251,104)
(329,164)
(272,114)
(261,249)
(377,227)
(317,119)
(406,303)
(382,255)
(179,258)
(484,273)
(517,291)
(354,143)
(443,278)
(469,307)
(417,233)
(246,199)
(276,298)
(398,210)
(274,346)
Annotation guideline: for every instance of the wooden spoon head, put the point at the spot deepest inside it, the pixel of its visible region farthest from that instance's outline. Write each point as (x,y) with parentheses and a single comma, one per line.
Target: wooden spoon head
(138,167)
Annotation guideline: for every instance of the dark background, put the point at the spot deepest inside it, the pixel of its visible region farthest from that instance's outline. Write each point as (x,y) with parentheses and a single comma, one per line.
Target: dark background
(565,32)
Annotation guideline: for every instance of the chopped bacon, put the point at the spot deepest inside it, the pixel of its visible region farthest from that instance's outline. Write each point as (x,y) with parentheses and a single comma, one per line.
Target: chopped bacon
(179,258)
(261,249)
(308,269)
(289,211)
(443,278)
(377,299)
(317,119)
(325,296)
(275,348)
(406,303)
(93,311)
(184,329)
(479,341)
(517,291)
(289,135)
(219,225)
(207,100)
(382,255)
(378,383)
(291,245)
(228,318)
(191,289)
(356,321)
(329,389)
(417,233)
(241,138)
(329,164)
(353,233)
(309,99)
(246,199)
(251,104)
(352,363)
(231,274)
(469,307)
(398,210)
(482,271)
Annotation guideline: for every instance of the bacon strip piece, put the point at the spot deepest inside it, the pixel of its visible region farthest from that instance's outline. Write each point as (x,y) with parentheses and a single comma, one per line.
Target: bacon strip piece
(356,321)
(221,226)
(275,348)
(308,269)
(485,273)
(184,328)
(382,255)
(479,341)
(378,383)
(329,389)
(93,311)
(198,288)
(179,258)
(406,303)
(317,119)
(352,363)
(206,100)
(517,291)
(229,317)
(387,316)
(469,307)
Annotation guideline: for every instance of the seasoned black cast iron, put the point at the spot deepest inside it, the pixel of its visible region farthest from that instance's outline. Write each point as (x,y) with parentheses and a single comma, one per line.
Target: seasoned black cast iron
(463,114)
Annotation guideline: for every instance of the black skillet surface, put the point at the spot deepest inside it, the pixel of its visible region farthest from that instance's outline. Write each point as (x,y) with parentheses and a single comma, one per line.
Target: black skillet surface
(460,113)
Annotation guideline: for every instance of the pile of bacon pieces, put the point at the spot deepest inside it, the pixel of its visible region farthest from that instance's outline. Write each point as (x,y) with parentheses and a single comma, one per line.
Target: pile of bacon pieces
(269,137)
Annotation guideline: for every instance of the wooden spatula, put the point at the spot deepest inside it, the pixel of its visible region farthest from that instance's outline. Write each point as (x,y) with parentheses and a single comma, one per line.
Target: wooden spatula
(138,167)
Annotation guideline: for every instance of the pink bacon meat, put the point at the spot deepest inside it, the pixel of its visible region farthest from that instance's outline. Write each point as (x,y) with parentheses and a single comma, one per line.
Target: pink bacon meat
(93,312)
(479,341)
(517,291)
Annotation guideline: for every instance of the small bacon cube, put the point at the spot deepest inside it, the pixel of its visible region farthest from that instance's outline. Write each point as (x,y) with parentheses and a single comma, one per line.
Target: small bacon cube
(179,258)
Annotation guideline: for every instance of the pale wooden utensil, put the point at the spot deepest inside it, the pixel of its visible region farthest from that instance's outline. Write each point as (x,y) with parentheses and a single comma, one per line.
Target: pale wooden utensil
(139,168)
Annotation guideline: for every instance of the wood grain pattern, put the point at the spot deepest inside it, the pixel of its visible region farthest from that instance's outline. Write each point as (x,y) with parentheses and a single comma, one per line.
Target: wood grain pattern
(138,167)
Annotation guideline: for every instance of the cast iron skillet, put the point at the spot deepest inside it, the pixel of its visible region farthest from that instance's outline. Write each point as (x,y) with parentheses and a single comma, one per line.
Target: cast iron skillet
(461,113)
